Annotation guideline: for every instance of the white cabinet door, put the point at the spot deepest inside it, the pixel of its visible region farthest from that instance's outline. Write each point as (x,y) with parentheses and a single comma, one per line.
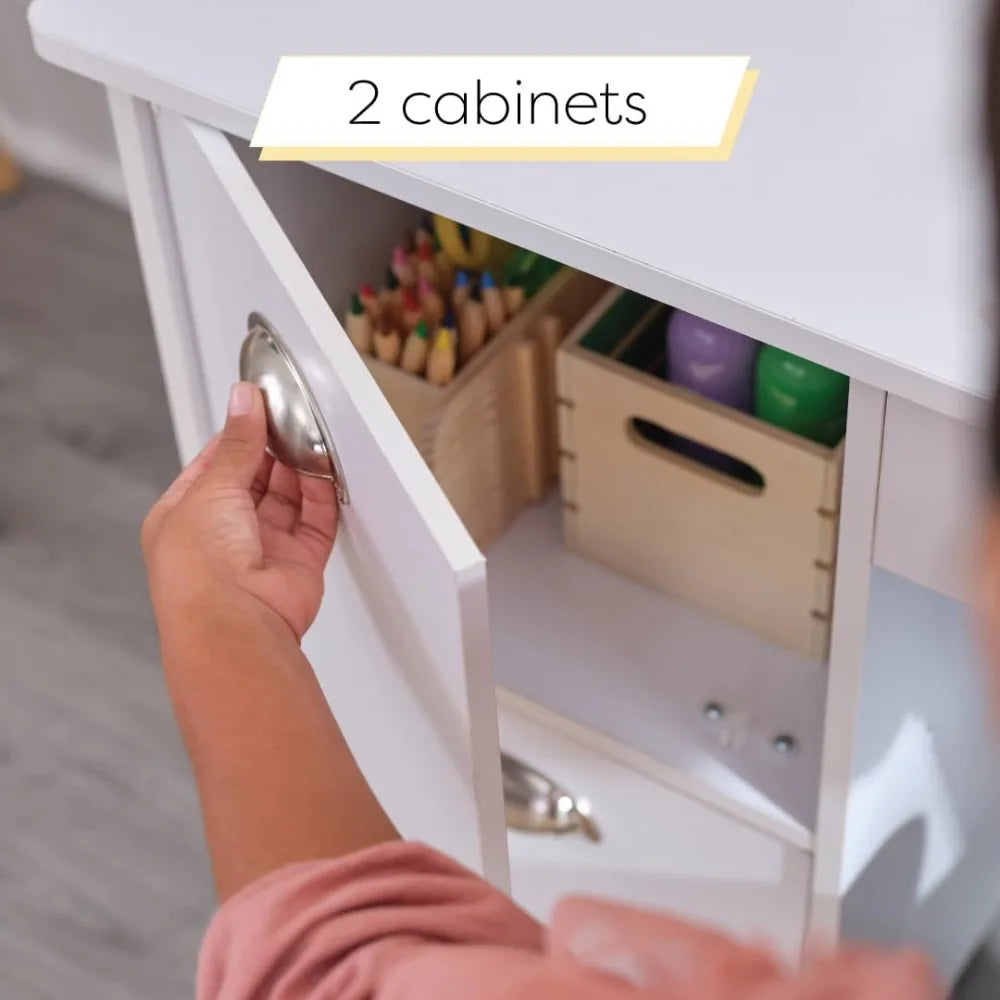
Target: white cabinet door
(659,847)
(401,645)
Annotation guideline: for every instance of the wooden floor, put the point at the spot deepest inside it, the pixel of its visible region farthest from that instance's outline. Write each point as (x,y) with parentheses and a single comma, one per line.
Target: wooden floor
(104,887)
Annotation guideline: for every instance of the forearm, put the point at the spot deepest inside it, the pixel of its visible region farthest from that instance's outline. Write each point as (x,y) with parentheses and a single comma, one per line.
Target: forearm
(276,780)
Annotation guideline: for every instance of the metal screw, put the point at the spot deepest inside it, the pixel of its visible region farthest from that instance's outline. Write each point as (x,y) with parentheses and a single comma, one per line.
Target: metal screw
(713,711)
(784,743)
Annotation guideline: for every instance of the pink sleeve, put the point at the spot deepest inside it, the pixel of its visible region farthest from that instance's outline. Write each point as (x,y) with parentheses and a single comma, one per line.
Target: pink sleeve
(402,922)
(338,928)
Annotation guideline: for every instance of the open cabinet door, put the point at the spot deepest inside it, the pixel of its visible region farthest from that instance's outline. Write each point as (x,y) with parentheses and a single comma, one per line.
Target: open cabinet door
(401,644)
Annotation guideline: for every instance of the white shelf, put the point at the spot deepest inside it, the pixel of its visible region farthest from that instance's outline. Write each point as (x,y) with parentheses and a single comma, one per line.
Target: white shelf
(659,848)
(637,667)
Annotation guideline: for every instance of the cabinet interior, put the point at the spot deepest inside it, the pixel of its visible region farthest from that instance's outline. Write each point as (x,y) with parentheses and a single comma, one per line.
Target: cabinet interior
(609,657)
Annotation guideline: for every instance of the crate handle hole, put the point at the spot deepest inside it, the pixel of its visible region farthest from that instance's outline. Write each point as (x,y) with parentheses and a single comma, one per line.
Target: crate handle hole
(700,457)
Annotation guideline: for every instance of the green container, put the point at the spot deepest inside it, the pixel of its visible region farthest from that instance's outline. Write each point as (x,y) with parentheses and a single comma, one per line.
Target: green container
(528,269)
(800,396)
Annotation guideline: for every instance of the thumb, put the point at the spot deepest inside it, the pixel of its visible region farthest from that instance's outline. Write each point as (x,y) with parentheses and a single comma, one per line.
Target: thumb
(243,439)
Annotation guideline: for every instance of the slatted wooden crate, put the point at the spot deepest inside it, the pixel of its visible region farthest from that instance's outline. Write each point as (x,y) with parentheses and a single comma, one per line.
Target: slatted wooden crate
(489,436)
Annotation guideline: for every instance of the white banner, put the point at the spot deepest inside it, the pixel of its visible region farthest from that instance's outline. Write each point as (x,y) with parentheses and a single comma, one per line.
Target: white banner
(504,107)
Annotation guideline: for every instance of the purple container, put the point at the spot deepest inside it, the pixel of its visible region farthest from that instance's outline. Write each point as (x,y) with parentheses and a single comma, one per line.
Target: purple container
(712,360)
(717,363)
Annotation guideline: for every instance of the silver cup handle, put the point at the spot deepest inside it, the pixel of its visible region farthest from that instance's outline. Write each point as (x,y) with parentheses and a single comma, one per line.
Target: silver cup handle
(296,432)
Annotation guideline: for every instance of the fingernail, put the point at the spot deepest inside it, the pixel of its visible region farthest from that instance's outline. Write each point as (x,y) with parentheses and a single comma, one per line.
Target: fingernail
(240,399)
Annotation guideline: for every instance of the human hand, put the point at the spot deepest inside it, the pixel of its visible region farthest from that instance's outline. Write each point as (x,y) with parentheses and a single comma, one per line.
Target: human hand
(673,957)
(861,973)
(236,523)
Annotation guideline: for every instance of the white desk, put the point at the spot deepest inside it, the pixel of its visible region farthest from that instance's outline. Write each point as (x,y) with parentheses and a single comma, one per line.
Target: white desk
(850,226)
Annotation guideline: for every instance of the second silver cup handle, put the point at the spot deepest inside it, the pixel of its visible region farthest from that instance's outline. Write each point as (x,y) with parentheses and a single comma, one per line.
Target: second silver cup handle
(534,803)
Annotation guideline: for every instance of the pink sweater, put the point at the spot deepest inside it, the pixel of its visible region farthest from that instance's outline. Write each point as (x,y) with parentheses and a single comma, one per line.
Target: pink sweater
(402,922)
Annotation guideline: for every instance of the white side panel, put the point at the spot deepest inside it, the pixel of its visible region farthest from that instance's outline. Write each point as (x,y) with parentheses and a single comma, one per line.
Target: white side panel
(401,645)
(929,497)
(139,150)
(923,822)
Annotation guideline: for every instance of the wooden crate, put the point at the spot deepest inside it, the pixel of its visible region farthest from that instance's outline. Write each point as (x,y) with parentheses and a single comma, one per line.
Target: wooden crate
(490,436)
(762,556)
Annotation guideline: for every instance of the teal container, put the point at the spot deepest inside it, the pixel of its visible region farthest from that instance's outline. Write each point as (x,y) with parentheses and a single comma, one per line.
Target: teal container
(801,396)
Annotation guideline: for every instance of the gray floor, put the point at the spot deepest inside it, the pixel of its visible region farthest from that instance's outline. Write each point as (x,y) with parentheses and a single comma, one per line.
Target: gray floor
(104,888)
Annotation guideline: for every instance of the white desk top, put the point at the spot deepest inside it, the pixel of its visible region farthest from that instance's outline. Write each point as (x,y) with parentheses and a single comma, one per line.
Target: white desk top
(850,224)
